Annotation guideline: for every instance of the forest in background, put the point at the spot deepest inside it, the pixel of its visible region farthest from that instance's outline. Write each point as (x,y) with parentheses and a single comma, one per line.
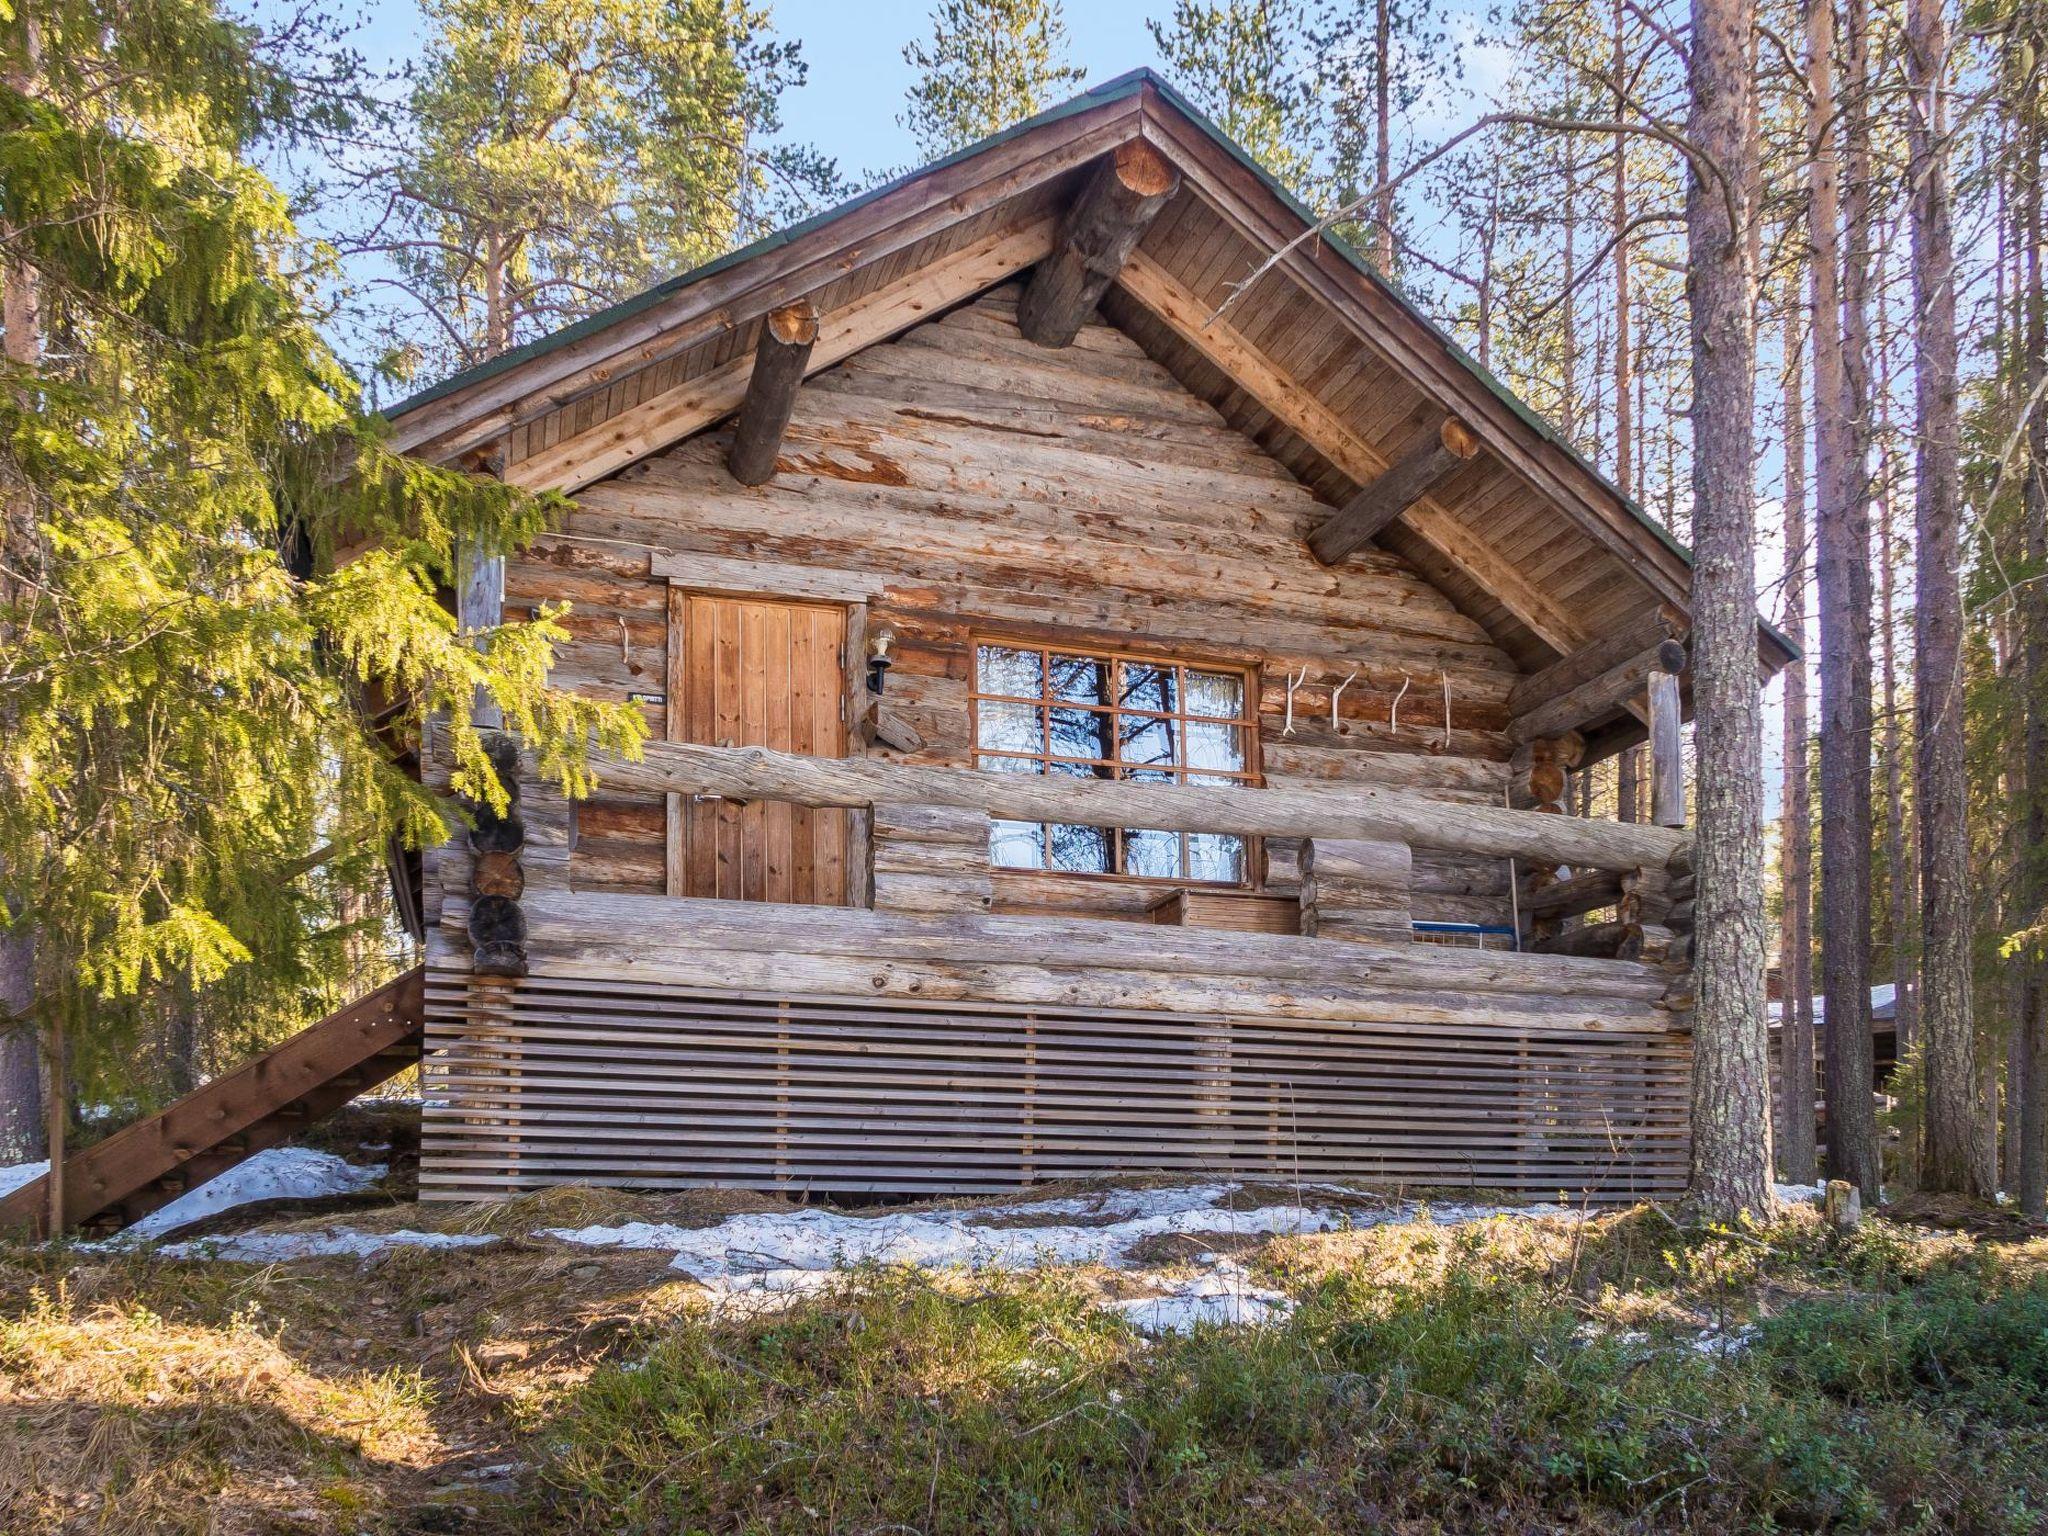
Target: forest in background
(1814,228)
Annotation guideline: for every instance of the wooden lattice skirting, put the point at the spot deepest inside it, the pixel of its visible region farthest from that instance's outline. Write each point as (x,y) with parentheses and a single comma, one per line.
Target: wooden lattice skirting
(571,1079)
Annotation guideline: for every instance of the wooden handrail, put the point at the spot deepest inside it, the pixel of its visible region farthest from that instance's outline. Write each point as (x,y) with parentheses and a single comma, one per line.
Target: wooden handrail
(1353,811)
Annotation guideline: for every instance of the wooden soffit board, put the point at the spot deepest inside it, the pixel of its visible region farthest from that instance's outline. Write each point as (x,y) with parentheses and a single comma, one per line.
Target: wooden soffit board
(1192,319)
(1375,314)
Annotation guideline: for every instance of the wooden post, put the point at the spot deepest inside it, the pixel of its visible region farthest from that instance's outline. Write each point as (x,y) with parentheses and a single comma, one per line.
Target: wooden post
(1541,770)
(1425,462)
(1667,762)
(56,1103)
(784,352)
(1101,230)
(497,927)
(480,606)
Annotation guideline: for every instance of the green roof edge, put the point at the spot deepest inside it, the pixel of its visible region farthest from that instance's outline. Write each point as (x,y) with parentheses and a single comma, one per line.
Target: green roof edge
(1127,84)
(1112,90)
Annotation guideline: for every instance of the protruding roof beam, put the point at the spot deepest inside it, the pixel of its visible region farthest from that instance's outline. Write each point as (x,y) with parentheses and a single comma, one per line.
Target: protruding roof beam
(1426,462)
(1659,621)
(1619,687)
(787,336)
(1100,231)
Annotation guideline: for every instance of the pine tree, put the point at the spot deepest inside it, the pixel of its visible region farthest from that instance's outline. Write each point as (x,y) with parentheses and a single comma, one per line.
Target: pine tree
(1731,1138)
(1842,559)
(988,64)
(1236,61)
(1375,60)
(1953,1146)
(188,774)
(562,154)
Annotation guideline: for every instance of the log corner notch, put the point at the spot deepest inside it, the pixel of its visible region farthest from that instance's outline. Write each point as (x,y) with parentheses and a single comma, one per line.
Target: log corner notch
(497,925)
(780,361)
(1096,238)
(1430,457)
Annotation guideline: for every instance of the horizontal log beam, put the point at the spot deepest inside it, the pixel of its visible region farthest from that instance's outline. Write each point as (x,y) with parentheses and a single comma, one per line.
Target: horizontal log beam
(1425,464)
(1584,893)
(787,336)
(1660,621)
(1097,237)
(1619,687)
(1588,941)
(1355,811)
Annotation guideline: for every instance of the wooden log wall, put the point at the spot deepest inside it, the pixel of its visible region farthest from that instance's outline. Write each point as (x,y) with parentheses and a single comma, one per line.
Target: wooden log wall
(989,486)
(843,1050)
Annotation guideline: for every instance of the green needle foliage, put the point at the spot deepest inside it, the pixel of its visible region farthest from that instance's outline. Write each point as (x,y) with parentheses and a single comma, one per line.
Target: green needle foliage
(559,155)
(207,716)
(988,64)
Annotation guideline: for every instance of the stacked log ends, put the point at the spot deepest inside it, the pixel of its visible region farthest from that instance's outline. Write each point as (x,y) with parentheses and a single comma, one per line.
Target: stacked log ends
(497,925)
(1358,890)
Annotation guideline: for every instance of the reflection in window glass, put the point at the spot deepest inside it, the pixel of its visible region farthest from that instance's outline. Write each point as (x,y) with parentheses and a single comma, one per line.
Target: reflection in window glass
(1146,721)
(1082,850)
(1006,727)
(1154,854)
(1019,674)
(1080,680)
(1217,694)
(1016,845)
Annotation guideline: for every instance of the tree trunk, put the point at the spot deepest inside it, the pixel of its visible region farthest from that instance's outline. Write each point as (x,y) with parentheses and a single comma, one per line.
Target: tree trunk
(1731,1142)
(1382,144)
(1797,1133)
(1842,549)
(1904,879)
(22,1120)
(2027,1060)
(1624,416)
(1953,1159)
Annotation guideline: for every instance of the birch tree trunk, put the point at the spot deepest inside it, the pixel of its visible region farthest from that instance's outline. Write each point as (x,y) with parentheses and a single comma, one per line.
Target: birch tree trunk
(1798,1150)
(1953,1153)
(1731,1104)
(1842,558)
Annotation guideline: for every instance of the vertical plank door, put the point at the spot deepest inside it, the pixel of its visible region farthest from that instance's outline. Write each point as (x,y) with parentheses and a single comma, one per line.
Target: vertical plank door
(757,672)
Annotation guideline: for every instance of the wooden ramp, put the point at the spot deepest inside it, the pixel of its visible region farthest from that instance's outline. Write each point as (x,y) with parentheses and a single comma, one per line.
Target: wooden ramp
(267,1101)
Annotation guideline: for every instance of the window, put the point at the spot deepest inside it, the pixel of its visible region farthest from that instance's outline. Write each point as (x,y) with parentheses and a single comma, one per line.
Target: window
(1144,720)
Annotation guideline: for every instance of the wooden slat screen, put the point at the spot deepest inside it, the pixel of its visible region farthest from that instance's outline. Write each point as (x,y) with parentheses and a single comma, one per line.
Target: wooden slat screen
(665,1086)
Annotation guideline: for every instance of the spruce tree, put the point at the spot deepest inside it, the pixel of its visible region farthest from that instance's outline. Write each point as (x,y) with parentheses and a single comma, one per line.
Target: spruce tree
(208,711)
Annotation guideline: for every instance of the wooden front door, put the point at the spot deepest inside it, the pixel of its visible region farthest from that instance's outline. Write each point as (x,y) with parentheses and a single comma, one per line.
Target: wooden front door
(757,672)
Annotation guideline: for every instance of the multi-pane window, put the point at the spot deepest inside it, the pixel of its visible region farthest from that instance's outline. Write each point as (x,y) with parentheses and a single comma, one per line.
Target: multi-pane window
(1044,710)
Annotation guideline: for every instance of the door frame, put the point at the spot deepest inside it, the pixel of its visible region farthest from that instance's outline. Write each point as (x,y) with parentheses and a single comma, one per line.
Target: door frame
(798,586)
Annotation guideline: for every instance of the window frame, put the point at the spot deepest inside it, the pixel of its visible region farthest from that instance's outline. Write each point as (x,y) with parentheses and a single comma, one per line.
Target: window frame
(1246,722)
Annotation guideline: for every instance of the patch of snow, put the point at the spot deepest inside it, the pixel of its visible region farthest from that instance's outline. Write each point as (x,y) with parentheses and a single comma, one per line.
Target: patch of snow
(1795,1194)
(774,1247)
(18,1174)
(276,1173)
(325,1243)
(1722,1343)
(1223,1297)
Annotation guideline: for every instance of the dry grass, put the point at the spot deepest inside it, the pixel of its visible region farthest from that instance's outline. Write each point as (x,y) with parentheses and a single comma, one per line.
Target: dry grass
(330,1397)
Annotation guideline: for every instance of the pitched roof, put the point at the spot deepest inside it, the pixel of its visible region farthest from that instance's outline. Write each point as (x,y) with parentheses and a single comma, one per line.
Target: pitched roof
(1322,360)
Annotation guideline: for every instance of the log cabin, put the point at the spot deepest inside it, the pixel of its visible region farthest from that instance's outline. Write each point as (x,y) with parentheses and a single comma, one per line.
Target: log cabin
(1114,671)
